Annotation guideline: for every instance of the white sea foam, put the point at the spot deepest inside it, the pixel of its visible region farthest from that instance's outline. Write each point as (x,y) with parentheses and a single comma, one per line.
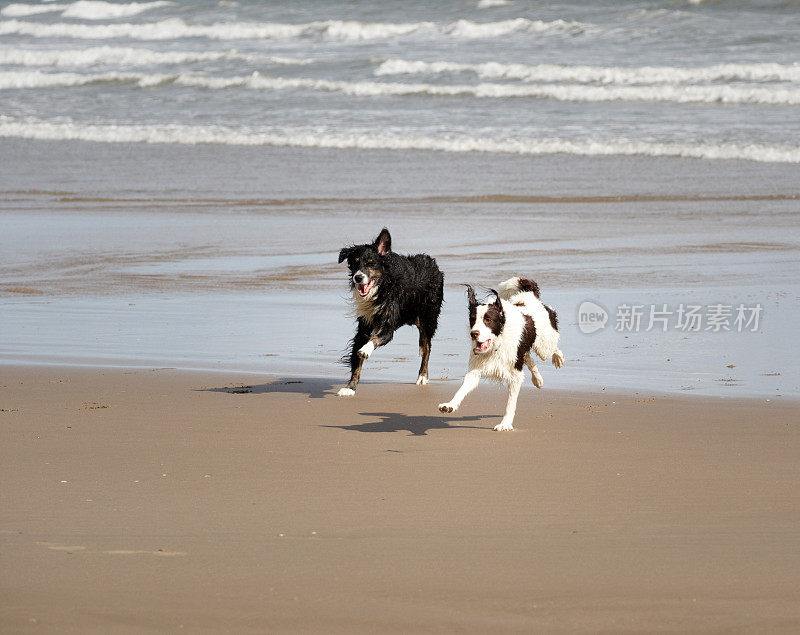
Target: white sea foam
(126,56)
(98,10)
(570,92)
(37,79)
(314,138)
(84,9)
(17,10)
(764,72)
(489,4)
(473,30)
(339,30)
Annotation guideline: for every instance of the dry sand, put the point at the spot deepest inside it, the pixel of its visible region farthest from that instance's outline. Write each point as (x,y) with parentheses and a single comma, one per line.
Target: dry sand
(166,501)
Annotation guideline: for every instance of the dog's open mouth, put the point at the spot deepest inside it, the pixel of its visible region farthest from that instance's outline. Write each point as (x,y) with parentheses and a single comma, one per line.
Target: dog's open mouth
(364,289)
(482,347)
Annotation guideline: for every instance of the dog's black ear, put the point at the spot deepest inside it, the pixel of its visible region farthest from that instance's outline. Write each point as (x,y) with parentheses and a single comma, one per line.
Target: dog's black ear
(497,302)
(344,254)
(471,299)
(383,243)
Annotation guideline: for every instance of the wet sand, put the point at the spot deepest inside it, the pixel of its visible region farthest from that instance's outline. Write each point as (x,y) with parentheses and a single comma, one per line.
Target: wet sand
(194,257)
(167,501)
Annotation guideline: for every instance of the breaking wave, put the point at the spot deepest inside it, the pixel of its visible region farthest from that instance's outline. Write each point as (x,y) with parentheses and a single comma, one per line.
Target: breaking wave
(84,9)
(126,56)
(572,92)
(22,10)
(305,138)
(490,4)
(765,72)
(330,29)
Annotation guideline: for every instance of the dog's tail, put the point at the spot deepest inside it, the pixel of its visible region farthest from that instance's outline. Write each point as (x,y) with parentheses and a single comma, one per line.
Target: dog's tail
(516,284)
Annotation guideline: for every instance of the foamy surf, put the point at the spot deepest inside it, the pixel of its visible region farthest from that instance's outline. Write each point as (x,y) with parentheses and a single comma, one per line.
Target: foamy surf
(490,4)
(16,10)
(571,72)
(84,9)
(127,56)
(36,79)
(316,138)
(576,93)
(764,72)
(338,30)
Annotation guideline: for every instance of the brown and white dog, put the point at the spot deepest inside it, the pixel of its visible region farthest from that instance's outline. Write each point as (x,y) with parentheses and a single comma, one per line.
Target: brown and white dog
(503,333)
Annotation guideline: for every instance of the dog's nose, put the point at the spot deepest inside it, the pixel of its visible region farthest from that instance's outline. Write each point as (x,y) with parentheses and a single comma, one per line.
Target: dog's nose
(474,334)
(359,278)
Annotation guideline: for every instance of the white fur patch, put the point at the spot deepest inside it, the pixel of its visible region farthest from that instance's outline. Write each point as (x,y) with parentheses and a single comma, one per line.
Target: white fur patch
(536,377)
(366,350)
(364,307)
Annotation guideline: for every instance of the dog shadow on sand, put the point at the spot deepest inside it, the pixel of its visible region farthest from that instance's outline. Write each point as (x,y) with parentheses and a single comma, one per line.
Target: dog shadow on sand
(417,425)
(313,388)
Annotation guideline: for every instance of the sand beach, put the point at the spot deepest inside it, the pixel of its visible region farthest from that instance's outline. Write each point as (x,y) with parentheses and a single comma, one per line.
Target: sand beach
(168,501)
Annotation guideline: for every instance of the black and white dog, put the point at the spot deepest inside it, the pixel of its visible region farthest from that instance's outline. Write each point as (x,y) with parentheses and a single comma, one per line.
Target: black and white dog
(390,291)
(503,334)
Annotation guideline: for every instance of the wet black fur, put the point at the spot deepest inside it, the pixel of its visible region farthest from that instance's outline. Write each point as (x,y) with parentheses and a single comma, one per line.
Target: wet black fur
(410,291)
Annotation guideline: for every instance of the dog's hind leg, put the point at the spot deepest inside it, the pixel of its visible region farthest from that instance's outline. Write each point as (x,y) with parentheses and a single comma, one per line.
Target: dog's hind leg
(424,353)
(511,407)
(535,376)
(356,360)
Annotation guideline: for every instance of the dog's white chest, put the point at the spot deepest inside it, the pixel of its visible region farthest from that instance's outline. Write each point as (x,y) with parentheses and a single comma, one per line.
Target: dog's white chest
(364,308)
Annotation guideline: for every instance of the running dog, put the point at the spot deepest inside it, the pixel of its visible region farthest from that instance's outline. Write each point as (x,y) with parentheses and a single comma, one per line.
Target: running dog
(503,332)
(390,291)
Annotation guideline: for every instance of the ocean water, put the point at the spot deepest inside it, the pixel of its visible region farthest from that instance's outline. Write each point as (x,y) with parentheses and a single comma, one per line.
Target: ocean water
(713,79)
(176,180)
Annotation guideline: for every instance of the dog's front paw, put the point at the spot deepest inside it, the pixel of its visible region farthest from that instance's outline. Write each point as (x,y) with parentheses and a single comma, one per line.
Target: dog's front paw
(447,407)
(422,380)
(346,392)
(503,426)
(537,379)
(365,351)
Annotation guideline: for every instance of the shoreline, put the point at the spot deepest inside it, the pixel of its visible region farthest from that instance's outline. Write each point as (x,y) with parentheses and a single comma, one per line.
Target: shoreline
(337,380)
(160,500)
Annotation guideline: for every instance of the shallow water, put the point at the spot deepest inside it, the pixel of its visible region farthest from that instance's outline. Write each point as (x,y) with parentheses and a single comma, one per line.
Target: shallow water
(305,333)
(227,259)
